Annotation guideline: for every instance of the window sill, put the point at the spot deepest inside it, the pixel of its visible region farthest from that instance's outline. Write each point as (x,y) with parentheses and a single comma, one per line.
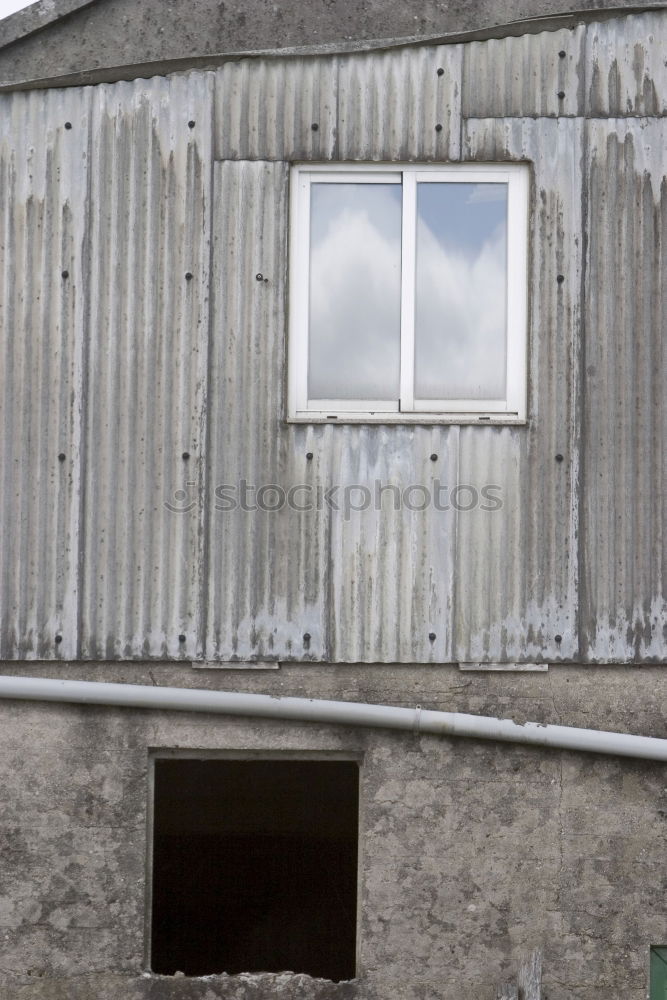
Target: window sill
(410,418)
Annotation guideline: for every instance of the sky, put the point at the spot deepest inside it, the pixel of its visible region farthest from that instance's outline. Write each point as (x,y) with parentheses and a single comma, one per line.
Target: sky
(8,7)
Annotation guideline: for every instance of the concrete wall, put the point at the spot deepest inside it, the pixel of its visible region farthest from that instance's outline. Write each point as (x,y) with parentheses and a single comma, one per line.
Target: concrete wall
(472,853)
(70,36)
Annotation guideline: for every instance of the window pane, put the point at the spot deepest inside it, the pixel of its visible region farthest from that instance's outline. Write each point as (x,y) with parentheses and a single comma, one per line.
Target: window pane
(460,313)
(355,291)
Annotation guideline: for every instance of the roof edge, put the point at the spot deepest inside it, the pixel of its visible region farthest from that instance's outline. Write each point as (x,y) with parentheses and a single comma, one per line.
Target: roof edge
(114,74)
(36,17)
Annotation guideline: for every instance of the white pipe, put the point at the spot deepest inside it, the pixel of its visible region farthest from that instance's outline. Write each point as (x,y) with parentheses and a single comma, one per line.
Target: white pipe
(344,713)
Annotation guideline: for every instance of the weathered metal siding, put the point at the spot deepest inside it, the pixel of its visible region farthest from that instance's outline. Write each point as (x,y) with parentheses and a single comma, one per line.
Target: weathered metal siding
(266,569)
(43,178)
(281,109)
(626,68)
(525,76)
(403,105)
(124,366)
(516,569)
(624,488)
(146,362)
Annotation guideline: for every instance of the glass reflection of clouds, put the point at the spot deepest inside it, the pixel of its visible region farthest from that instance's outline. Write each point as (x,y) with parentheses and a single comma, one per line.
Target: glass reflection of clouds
(461,288)
(355,291)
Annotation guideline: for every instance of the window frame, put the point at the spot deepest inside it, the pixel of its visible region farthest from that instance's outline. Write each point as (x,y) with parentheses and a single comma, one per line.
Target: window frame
(407,409)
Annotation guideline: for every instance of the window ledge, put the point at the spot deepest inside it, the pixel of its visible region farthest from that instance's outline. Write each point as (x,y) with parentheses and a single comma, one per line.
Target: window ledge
(409,418)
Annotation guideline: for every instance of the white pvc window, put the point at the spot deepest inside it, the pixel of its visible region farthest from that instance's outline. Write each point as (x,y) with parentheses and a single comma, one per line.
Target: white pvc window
(408,292)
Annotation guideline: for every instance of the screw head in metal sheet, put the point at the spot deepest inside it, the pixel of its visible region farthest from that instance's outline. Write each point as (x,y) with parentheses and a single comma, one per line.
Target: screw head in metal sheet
(191,124)
(68,125)
(559,457)
(558,639)
(315,127)
(560,278)
(181,638)
(438,127)
(560,95)
(259,277)
(185,456)
(188,275)
(434,457)
(432,636)
(440,71)
(562,54)
(58,639)
(61,456)
(64,274)
(309,456)
(306,637)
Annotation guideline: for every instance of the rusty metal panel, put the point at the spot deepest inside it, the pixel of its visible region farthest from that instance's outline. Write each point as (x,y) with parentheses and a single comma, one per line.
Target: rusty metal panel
(626,67)
(392,544)
(267,561)
(400,105)
(516,568)
(146,361)
(526,75)
(276,109)
(43,259)
(624,515)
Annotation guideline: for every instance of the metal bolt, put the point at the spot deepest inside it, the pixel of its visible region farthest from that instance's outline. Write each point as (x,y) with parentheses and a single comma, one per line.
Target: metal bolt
(434,457)
(560,95)
(191,124)
(259,277)
(68,125)
(559,457)
(309,456)
(562,54)
(432,636)
(181,638)
(560,278)
(441,71)
(558,639)
(64,274)
(59,639)
(438,127)
(315,127)
(185,456)
(188,275)
(306,638)
(61,456)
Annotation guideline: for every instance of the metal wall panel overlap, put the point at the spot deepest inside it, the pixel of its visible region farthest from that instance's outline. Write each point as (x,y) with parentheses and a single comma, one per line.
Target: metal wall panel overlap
(43,211)
(624,488)
(146,362)
(526,75)
(626,68)
(267,561)
(276,109)
(516,568)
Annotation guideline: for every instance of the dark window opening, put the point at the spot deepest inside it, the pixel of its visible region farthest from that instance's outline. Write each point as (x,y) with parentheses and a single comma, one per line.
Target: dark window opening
(255,867)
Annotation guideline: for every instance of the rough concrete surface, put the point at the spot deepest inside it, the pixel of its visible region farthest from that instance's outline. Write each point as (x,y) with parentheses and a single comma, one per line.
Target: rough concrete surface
(112,33)
(472,853)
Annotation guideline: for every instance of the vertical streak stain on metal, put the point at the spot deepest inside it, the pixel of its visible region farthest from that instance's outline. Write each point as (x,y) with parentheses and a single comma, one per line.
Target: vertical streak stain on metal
(43,170)
(389,104)
(392,562)
(267,567)
(625,409)
(516,568)
(150,204)
(266,109)
(626,66)
(522,76)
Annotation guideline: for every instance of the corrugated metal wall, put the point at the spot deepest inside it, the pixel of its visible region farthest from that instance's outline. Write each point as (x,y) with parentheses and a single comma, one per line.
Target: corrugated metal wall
(164,202)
